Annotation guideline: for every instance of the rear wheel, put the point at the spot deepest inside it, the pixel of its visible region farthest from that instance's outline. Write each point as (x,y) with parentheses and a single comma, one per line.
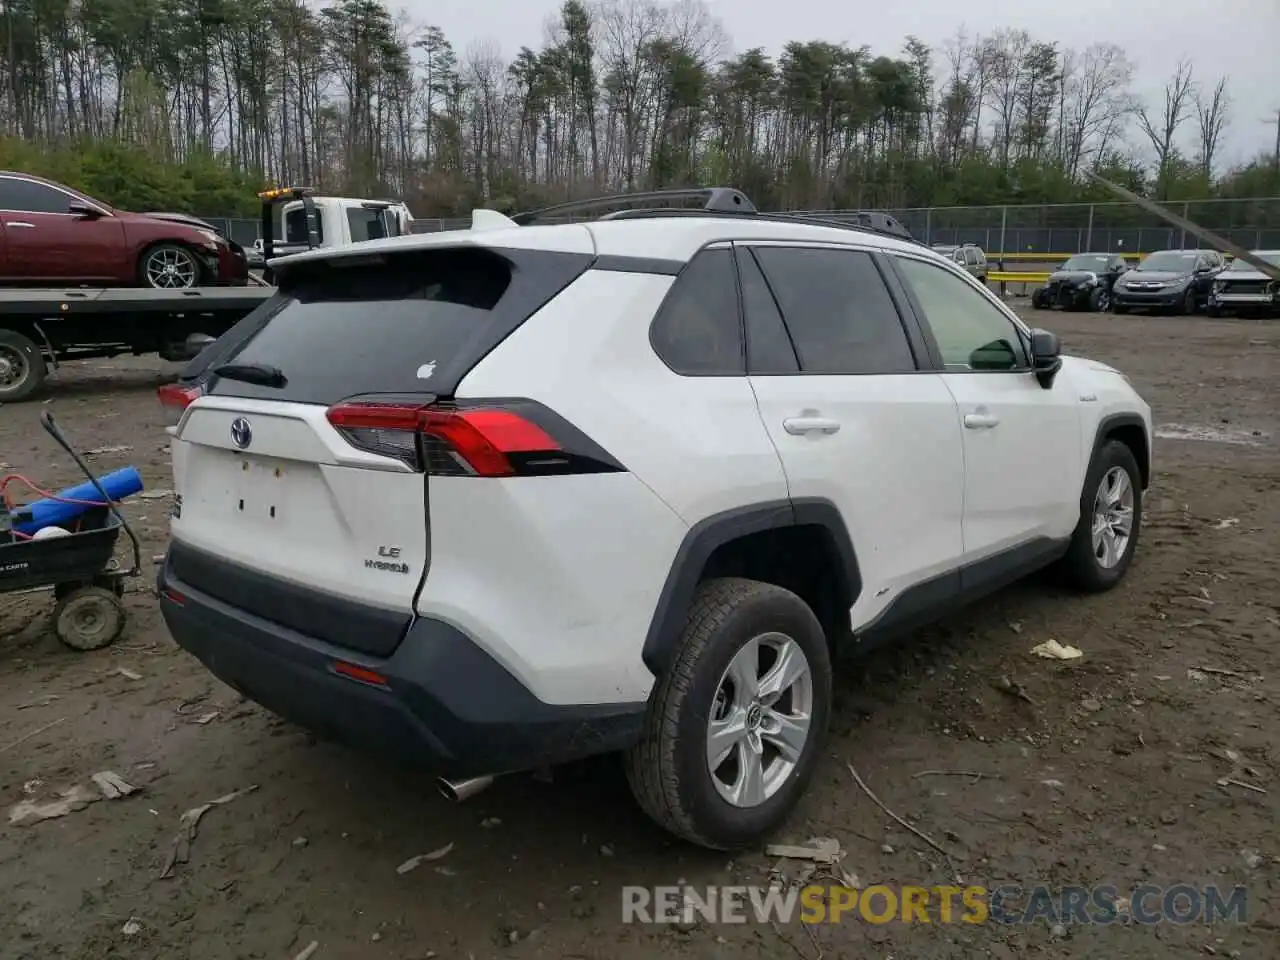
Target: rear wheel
(1038,299)
(169,266)
(735,724)
(1110,519)
(22,368)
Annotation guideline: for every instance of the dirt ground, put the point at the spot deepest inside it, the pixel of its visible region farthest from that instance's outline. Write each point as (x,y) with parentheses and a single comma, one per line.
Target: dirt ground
(1106,773)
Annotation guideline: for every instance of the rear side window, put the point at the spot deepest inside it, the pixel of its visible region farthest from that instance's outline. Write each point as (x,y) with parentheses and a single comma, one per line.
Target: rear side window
(405,323)
(769,348)
(698,330)
(838,310)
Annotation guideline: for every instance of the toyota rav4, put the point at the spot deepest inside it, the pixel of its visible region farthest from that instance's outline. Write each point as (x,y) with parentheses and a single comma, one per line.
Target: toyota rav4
(495,499)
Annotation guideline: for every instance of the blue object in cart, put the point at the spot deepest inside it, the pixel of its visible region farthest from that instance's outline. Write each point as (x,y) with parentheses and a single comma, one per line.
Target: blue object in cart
(48,513)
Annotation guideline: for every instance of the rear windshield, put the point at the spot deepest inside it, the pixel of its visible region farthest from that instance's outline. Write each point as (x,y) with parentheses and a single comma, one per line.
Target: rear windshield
(295,225)
(403,323)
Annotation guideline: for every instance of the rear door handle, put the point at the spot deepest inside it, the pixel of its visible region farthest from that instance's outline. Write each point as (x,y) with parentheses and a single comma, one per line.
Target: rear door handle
(980,421)
(20,223)
(798,426)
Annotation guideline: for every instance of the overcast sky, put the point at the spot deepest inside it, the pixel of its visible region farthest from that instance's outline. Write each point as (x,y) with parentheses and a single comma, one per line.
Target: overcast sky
(1236,38)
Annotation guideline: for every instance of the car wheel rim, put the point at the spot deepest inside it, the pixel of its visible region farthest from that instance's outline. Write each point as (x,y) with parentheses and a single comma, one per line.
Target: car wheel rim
(1112,518)
(1104,303)
(171,268)
(13,368)
(761,719)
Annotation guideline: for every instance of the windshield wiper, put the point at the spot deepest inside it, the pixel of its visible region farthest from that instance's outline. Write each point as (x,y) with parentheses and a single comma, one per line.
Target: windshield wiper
(260,374)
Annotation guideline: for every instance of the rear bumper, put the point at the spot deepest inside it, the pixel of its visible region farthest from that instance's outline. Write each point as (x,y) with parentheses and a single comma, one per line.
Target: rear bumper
(446,705)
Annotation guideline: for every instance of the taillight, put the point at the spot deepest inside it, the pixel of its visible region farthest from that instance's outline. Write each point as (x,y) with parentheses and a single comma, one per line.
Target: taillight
(175,399)
(482,441)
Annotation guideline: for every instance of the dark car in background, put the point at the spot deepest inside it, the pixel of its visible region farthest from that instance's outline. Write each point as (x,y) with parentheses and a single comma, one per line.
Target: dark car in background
(54,236)
(1084,282)
(1168,281)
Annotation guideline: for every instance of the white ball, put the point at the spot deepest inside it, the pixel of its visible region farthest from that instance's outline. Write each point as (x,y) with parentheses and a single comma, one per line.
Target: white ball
(45,533)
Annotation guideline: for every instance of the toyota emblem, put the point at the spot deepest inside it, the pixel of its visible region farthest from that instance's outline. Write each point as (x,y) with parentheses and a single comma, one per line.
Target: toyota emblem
(241,432)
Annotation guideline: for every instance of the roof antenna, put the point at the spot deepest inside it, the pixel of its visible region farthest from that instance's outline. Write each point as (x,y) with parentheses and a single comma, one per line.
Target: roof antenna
(483,220)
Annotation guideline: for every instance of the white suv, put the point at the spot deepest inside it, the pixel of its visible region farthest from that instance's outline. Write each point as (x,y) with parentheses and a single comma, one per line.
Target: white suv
(499,498)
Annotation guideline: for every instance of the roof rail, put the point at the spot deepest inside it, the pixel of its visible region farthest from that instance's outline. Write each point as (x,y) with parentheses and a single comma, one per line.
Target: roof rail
(714,199)
(903,234)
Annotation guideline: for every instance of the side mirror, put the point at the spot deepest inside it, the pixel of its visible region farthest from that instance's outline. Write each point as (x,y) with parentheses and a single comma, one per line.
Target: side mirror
(1046,356)
(76,208)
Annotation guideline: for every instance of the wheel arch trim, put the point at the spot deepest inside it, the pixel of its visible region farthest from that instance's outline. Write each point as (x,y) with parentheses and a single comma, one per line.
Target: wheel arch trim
(713,532)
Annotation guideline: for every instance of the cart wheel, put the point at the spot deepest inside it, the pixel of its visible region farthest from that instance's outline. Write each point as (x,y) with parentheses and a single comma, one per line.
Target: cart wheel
(89,618)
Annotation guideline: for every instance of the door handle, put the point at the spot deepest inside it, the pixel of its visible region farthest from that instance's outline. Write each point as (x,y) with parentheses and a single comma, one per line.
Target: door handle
(20,223)
(980,421)
(798,426)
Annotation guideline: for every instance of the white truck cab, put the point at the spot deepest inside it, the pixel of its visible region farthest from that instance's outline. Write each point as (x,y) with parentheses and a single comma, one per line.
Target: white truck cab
(341,221)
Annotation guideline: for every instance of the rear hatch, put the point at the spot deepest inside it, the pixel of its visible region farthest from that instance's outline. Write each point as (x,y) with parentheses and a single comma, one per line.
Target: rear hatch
(302,471)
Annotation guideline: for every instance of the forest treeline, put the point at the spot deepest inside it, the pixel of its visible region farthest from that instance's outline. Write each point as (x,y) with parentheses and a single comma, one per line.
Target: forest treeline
(193,105)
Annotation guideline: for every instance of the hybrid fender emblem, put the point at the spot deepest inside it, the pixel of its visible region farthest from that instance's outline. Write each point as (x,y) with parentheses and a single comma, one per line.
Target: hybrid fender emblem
(241,432)
(388,561)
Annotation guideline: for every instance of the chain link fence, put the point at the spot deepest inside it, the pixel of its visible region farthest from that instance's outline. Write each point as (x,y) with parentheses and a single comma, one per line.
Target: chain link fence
(1018,230)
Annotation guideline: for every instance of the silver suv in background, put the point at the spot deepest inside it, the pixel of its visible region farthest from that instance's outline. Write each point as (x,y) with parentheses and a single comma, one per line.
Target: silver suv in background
(968,256)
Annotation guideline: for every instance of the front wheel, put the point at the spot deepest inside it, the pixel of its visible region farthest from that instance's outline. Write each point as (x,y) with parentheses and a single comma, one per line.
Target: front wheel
(1188,304)
(736,722)
(1038,299)
(1100,300)
(169,266)
(1110,519)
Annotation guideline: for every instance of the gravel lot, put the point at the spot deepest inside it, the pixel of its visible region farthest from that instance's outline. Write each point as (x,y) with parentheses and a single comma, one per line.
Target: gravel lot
(1107,774)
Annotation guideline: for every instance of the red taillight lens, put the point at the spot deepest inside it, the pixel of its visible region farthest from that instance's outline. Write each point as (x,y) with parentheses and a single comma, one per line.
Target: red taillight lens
(442,441)
(175,399)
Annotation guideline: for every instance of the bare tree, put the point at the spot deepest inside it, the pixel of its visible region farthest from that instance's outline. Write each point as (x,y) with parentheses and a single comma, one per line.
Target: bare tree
(1211,119)
(1179,93)
(1096,102)
(1006,53)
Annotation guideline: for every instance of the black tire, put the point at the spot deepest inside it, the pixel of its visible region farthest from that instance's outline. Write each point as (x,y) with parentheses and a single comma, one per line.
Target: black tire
(189,271)
(1188,304)
(1037,299)
(22,367)
(1081,565)
(668,770)
(89,618)
(1100,300)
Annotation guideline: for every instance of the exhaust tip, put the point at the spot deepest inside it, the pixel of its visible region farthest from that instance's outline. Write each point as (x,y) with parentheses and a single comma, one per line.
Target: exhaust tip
(456,791)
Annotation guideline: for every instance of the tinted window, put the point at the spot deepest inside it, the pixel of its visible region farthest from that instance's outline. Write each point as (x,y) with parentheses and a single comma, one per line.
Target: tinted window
(28,196)
(698,330)
(837,309)
(769,348)
(972,333)
(971,255)
(339,331)
(295,226)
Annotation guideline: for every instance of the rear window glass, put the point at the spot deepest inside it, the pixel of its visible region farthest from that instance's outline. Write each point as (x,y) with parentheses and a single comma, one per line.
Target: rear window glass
(401,324)
(295,226)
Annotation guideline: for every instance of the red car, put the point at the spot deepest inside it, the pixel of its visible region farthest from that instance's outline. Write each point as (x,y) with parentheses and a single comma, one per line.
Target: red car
(52,235)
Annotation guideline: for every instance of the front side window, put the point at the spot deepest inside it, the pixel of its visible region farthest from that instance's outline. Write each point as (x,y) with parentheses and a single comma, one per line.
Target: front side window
(27,196)
(971,332)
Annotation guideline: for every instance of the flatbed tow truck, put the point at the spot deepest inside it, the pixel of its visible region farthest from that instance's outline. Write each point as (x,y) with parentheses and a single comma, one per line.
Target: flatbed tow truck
(42,328)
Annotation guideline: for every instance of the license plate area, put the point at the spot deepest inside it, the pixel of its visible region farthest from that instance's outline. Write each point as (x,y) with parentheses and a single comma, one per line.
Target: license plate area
(258,493)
